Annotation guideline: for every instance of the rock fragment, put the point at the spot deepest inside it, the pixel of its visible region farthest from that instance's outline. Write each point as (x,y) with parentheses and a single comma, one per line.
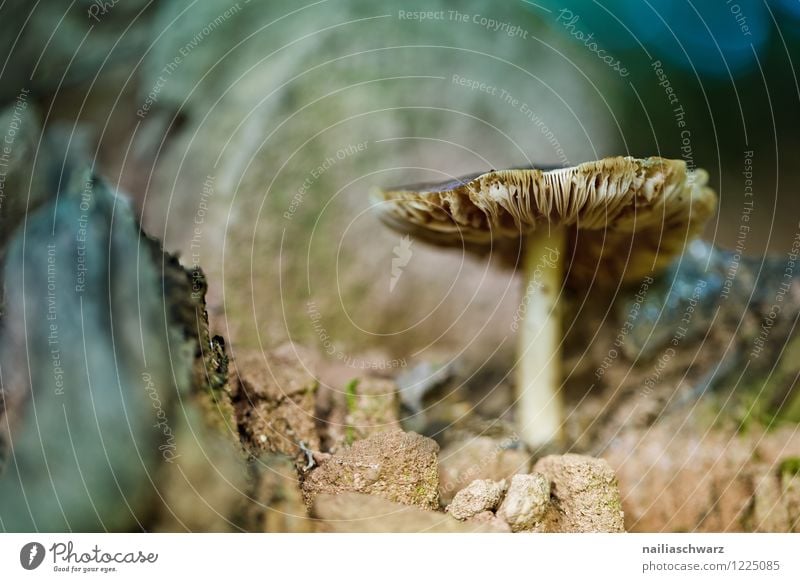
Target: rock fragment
(479,496)
(526,503)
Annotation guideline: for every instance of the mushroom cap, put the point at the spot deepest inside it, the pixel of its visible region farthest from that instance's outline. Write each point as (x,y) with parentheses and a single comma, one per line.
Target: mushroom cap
(628,217)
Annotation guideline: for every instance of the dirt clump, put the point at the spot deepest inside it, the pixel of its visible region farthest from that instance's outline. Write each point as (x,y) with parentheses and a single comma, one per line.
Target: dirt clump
(584,496)
(273,401)
(395,465)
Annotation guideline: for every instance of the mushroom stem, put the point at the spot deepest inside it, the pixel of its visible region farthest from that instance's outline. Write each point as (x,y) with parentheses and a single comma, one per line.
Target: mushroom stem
(539,405)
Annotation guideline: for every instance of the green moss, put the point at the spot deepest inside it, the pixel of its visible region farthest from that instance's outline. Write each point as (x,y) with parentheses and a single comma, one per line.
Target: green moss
(313,387)
(788,370)
(614,504)
(752,411)
(350,395)
(774,395)
(790,466)
(351,400)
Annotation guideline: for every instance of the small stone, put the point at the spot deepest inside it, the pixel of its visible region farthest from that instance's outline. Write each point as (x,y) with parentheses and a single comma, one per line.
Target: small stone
(585,495)
(460,463)
(526,502)
(396,465)
(479,496)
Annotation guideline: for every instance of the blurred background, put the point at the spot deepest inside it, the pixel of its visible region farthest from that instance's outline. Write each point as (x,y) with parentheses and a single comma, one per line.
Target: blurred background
(248,136)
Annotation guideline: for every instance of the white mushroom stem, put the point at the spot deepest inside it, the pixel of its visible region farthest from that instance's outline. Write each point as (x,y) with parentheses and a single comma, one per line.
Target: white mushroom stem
(540,410)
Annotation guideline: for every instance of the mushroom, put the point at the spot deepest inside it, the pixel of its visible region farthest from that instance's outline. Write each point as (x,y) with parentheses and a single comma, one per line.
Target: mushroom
(634,217)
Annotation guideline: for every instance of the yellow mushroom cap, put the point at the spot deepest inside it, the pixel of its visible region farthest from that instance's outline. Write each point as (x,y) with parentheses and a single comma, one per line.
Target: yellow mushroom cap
(629,216)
